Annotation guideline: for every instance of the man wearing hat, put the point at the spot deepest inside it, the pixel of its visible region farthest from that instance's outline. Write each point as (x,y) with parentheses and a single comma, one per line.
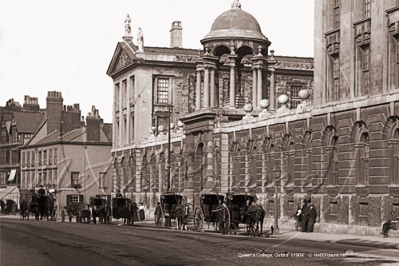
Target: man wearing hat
(312,217)
(305,215)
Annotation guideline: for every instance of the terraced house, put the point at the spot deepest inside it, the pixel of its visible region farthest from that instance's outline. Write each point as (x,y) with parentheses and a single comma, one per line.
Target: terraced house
(282,128)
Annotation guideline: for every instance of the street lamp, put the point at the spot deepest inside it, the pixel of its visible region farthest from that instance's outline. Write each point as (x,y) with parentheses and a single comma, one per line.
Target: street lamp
(170,107)
(276,230)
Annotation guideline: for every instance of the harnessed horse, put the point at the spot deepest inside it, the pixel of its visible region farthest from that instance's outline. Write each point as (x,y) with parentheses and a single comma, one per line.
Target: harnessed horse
(253,215)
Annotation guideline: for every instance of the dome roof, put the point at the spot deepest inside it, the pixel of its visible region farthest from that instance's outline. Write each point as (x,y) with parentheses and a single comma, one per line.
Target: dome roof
(235,23)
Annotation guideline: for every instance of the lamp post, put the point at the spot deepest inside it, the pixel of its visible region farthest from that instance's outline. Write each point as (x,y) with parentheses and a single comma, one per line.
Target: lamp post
(169,127)
(276,230)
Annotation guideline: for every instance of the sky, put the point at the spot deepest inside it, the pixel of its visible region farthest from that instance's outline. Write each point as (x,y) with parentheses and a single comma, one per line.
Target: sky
(67,46)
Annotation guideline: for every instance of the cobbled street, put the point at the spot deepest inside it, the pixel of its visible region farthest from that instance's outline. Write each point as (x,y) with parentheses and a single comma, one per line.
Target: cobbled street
(55,243)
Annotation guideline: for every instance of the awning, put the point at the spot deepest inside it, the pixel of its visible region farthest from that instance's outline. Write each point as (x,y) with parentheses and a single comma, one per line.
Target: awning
(12,175)
(8,190)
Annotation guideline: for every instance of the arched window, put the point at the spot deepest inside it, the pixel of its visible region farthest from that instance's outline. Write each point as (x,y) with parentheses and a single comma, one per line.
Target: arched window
(362,159)
(268,148)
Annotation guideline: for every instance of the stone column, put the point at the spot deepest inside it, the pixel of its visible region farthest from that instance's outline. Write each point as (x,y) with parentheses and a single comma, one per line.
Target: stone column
(259,84)
(128,111)
(213,88)
(271,93)
(206,87)
(232,86)
(121,140)
(255,101)
(198,91)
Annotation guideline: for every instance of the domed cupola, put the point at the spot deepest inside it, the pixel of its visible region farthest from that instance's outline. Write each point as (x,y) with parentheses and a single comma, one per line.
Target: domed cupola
(234,29)
(235,23)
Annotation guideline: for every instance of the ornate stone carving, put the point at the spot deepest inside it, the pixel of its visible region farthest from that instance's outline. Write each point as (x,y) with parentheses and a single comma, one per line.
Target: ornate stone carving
(185,58)
(124,60)
(289,65)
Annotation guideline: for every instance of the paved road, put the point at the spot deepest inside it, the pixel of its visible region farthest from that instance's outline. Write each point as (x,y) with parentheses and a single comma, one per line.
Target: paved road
(50,243)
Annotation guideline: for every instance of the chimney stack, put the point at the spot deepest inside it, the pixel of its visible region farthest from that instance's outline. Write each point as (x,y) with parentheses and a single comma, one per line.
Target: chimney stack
(176,35)
(54,105)
(93,125)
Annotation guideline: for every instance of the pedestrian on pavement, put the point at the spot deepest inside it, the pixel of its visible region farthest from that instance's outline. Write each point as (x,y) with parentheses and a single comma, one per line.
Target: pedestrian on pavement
(305,216)
(118,194)
(391,224)
(298,218)
(141,212)
(312,217)
(158,214)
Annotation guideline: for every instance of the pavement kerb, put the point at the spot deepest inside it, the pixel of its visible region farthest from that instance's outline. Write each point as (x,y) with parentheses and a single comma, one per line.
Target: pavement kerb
(150,224)
(343,242)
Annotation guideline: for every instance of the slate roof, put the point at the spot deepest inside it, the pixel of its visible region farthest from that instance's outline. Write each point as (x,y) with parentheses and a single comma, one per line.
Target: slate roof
(27,122)
(76,135)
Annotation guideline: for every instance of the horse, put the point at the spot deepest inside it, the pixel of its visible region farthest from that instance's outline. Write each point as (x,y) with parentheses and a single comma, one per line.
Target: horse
(127,213)
(253,215)
(181,213)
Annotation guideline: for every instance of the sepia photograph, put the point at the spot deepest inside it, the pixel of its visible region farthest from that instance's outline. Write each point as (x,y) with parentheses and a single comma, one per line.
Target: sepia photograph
(199,132)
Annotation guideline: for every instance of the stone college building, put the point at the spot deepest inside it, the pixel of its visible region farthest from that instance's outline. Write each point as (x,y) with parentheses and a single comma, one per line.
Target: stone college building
(244,120)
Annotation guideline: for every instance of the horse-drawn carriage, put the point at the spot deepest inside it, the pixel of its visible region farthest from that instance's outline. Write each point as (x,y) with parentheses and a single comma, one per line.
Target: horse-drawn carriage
(101,209)
(43,205)
(240,209)
(78,209)
(169,203)
(208,211)
(124,208)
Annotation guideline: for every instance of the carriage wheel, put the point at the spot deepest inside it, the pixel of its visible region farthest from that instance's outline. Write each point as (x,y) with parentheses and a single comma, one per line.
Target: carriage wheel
(224,222)
(63,215)
(198,219)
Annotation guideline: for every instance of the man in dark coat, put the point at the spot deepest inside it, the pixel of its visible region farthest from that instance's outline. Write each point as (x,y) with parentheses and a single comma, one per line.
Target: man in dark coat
(389,225)
(312,217)
(158,214)
(305,215)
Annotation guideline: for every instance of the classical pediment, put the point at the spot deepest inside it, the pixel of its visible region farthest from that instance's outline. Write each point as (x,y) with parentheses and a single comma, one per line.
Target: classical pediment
(123,57)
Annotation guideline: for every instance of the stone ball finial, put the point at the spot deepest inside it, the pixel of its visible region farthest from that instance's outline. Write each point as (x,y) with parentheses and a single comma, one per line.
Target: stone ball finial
(180,124)
(283,99)
(264,104)
(172,125)
(161,128)
(303,94)
(248,107)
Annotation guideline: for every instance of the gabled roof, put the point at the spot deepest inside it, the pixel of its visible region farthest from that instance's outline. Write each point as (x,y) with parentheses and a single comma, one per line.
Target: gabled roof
(27,122)
(124,55)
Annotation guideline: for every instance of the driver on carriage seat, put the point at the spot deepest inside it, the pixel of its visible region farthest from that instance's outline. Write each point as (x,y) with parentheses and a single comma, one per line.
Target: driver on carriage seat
(41,191)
